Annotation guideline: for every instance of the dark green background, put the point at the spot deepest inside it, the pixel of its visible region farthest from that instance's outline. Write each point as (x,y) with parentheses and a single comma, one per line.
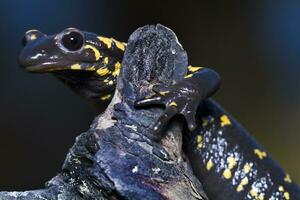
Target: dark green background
(255,46)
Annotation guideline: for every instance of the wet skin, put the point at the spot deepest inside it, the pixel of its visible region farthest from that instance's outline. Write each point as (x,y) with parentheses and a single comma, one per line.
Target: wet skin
(229,163)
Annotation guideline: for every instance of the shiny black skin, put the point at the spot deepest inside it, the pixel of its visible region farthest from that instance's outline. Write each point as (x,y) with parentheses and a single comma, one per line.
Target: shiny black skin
(221,141)
(47,54)
(211,135)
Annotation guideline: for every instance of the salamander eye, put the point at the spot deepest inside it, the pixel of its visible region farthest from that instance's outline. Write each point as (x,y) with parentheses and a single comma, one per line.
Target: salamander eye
(72,41)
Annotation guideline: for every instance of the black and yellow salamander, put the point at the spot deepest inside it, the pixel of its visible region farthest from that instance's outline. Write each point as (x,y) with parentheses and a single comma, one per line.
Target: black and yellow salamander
(225,158)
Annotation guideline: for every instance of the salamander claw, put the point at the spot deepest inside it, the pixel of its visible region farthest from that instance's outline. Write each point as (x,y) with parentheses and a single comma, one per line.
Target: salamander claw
(164,118)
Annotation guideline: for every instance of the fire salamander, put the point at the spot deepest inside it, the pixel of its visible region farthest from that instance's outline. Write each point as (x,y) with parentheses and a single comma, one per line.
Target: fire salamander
(228,162)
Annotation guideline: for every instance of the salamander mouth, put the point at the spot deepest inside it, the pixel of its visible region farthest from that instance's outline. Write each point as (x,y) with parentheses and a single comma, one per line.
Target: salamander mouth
(46,67)
(49,67)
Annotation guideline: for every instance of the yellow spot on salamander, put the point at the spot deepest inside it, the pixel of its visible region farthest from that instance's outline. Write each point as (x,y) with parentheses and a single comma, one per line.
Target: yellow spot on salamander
(91,68)
(200,145)
(243,182)
(96,52)
(102,71)
(164,93)
(106,97)
(106,41)
(260,154)
(188,76)
(116,72)
(204,122)
(76,67)
(199,138)
(227,174)
(239,188)
(199,141)
(209,165)
(110,82)
(287,178)
(287,195)
(253,192)
(173,103)
(280,188)
(106,60)
(246,168)
(193,69)
(120,45)
(231,162)
(225,121)
(261,196)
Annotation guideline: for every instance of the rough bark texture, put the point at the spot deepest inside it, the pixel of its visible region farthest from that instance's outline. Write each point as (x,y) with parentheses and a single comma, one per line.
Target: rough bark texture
(118,157)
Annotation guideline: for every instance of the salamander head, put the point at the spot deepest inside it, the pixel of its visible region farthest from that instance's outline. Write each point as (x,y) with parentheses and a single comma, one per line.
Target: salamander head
(85,61)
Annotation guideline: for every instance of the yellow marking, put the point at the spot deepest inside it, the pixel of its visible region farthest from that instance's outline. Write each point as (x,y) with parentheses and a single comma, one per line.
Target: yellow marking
(90,68)
(188,76)
(239,188)
(102,71)
(164,93)
(225,121)
(76,67)
(199,138)
(106,60)
(117,69)
(231,162)
(204,122)
(199,141)
(193,69)
(286,195)
(96,52)
(173,103)
(260,154)
(106,41)
(110,82)
(227,174)
(106,80)
(253,192)
(209,165)
(103,98)
(247,168)
(280,188)
(261,196)
(120,45)
(287,178)
(243,182)
(33,37)
(200,145)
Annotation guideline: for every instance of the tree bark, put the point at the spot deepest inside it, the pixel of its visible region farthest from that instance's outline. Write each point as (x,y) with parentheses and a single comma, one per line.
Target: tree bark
(119,157)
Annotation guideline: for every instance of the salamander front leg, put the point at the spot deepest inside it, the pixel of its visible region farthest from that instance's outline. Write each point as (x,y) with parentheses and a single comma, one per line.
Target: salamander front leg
(184,96)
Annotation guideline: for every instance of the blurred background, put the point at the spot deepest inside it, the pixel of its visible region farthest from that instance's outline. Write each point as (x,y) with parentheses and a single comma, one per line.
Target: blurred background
(255,47)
